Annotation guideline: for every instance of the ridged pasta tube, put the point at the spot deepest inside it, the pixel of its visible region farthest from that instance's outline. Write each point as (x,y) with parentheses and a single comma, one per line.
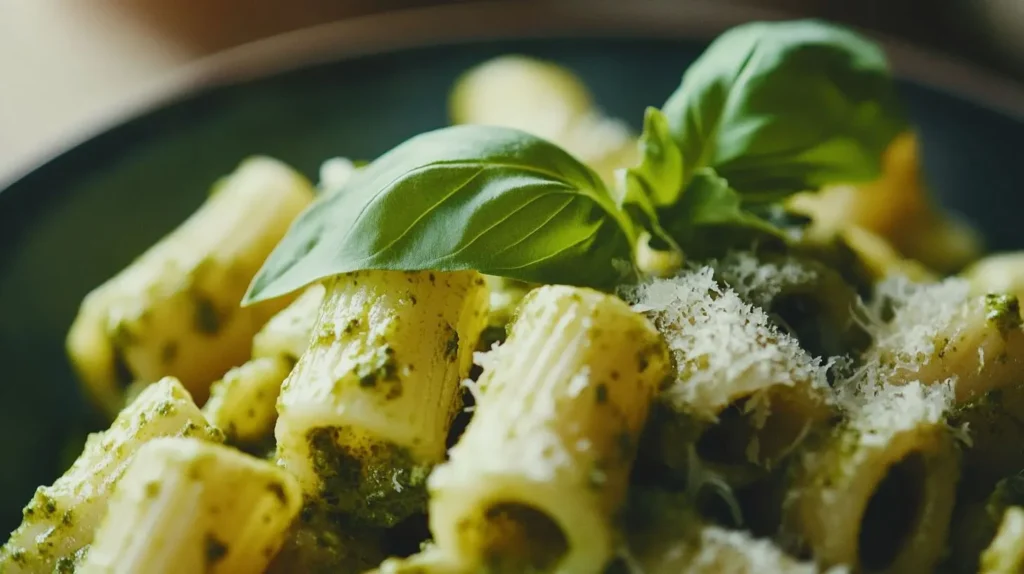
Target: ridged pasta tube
(175,310)
(243,404)
(897,207)
(60,519)
(877,495)
(743,392)
(940,332)
(287,334)
(185,506)
(542,469)
(1006,553)
(548,101)
(366,411)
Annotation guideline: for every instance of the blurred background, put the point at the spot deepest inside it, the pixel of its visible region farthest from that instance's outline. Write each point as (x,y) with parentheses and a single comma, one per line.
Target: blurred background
(63,62)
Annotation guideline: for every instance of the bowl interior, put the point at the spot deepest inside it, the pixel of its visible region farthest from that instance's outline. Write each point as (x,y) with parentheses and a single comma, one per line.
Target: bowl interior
(73,223)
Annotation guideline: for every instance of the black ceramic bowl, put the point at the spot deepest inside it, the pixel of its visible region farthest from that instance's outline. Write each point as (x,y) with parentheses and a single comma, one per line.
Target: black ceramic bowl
(357,88)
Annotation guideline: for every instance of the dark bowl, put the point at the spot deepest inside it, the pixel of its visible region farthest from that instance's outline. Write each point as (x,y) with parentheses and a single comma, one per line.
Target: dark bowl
(356,88)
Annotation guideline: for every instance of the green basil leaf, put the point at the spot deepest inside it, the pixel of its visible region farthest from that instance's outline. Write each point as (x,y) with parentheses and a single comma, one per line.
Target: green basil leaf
(777,108)
(493,199)
(661,165)
(710,218)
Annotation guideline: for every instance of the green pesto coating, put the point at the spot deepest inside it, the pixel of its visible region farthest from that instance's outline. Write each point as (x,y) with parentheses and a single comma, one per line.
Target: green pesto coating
(215,550)
(325,542)
(1003,311)
(379,484)
(206,317)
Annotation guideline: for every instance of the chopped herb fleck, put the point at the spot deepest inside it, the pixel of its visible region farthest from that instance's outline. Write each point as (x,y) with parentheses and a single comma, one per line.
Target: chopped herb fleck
(601,393)
(169,352)
(215,549)
(277,489)
(451,346)
(1003,311)
(206,318)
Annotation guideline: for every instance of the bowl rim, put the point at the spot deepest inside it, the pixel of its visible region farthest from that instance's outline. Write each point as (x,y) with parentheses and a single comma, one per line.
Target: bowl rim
(464,22)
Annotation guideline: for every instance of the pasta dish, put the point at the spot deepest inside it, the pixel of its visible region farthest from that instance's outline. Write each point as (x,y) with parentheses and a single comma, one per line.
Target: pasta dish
(740,340)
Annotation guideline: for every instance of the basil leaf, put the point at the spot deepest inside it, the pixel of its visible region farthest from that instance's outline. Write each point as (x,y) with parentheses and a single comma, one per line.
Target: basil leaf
(710,218)
(661,166)
(493,199)
(777,108)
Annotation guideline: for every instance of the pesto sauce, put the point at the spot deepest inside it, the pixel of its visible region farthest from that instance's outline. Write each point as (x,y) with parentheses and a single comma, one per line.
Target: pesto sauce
(324,542)
(1003,312)
(206,319)
(215,549)
(380,484)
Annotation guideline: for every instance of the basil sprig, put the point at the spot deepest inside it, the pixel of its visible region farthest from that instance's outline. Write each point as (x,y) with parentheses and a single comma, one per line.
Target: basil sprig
(770,109)
(493,199)
(782,107)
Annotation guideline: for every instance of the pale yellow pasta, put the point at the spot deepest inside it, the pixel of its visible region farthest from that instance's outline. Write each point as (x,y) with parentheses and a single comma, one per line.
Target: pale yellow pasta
(60,519)
(366,411)
(940,332)
(999,273)
(877,494)
(1006,553)
(897,207)
(548,101)
(744,392)
(287,334)
(175,310)
(538,476)
(185,506)
(243,403)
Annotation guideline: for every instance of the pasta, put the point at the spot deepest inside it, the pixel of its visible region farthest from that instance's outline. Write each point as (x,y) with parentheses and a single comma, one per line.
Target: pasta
(940,331)
(60,519)
(187,506)
(244,403)
(878,493)
(896,207)
(546,100)
(537,477)
(744,393)
(1000,273)
(1006,554)
(174,311)
(734,343)
(366,411)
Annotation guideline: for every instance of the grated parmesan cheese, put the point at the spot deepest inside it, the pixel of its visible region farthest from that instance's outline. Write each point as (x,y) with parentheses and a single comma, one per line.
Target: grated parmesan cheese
(724,347)
(757,281)
(734,552)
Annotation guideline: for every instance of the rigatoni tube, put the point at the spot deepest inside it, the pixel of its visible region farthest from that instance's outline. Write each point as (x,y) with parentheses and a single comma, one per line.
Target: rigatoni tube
(60,519)
(548,101)
(189,507)
(541,471)
(366,411)
(877,495)
(941,331)
(243,403)
(743,392)
(287,334)
(175,310)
